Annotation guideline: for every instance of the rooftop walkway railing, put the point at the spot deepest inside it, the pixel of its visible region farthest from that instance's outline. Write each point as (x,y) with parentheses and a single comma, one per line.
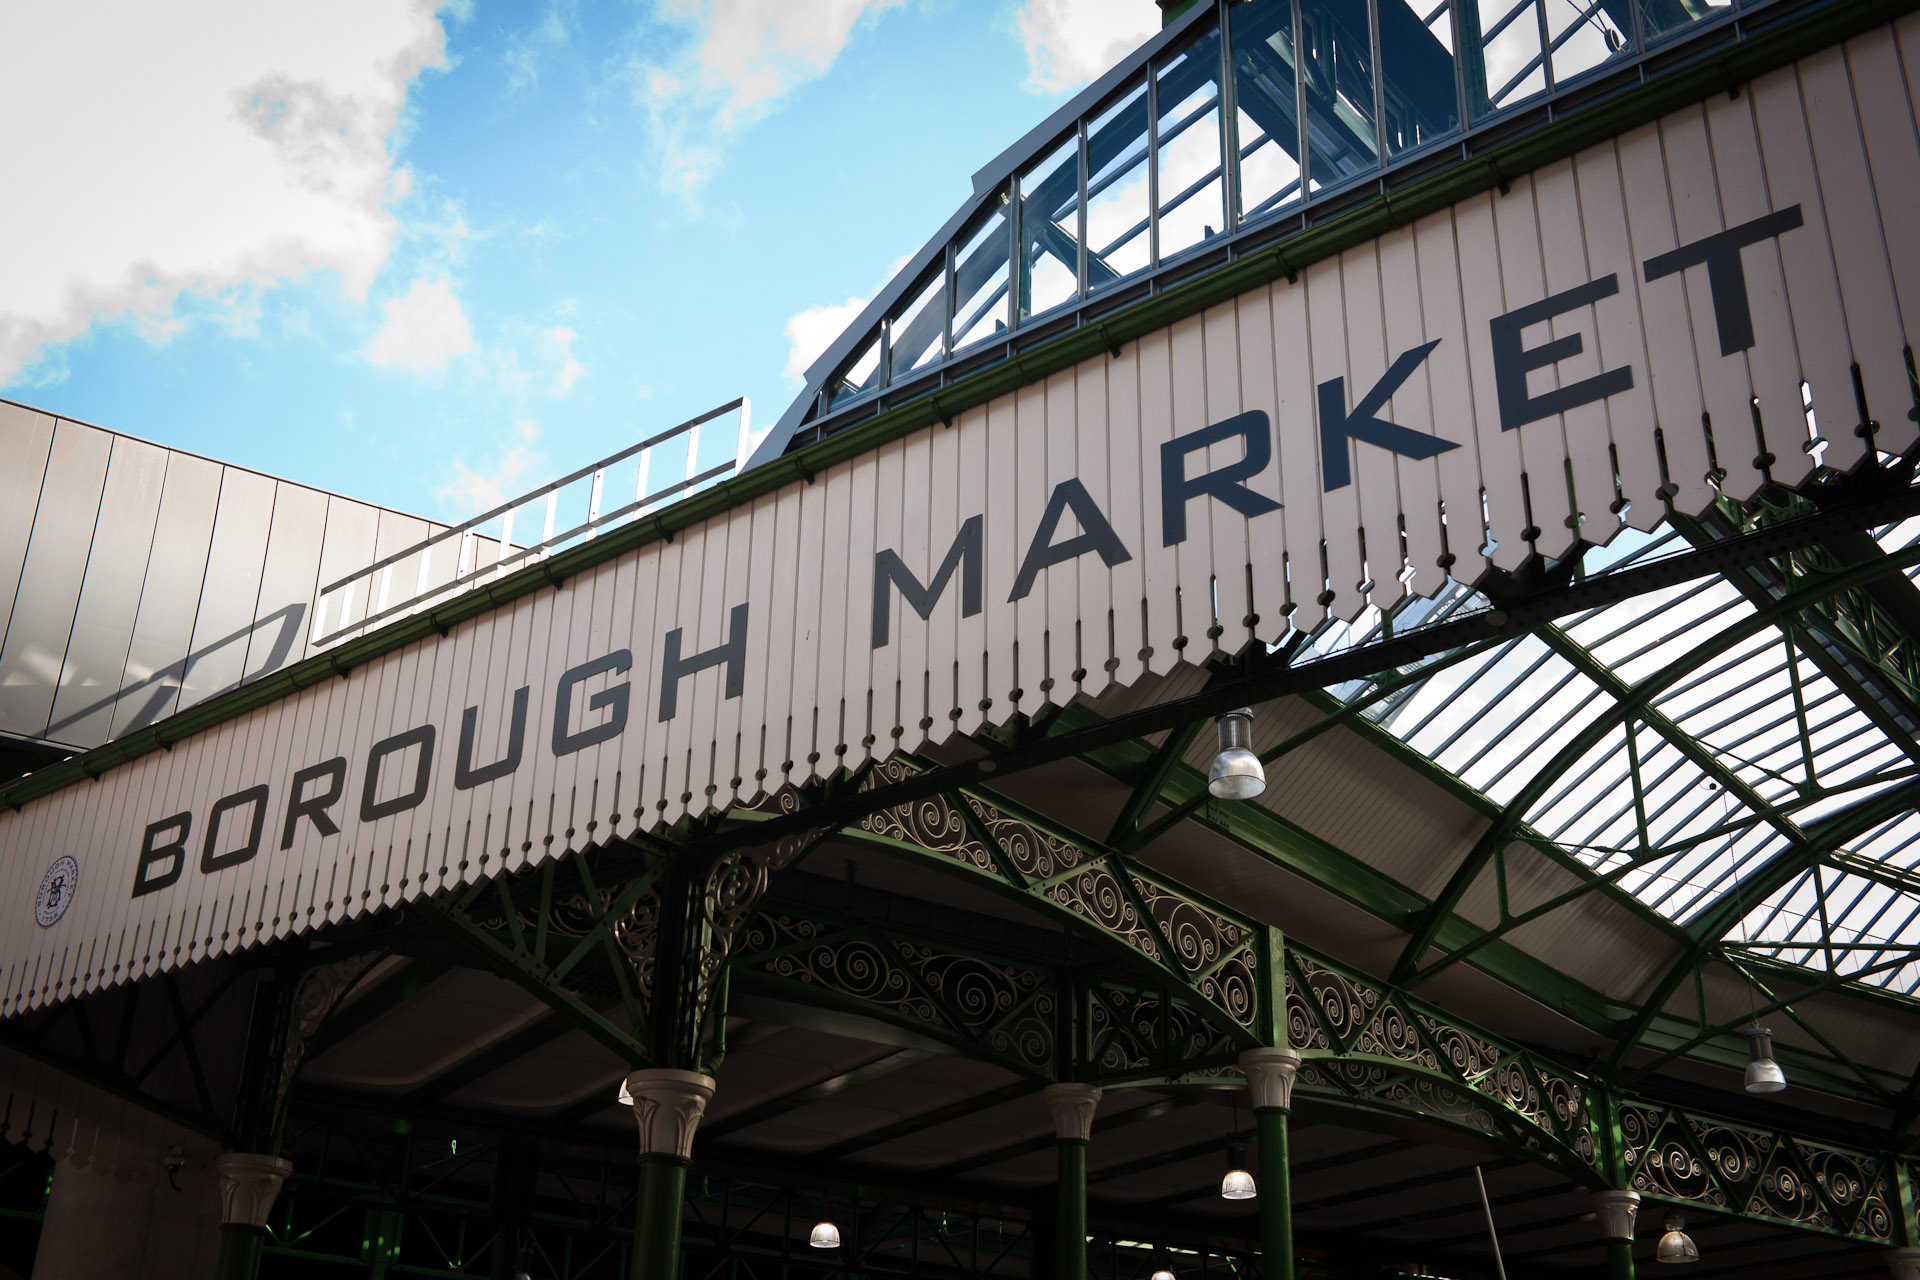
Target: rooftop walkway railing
(663,467)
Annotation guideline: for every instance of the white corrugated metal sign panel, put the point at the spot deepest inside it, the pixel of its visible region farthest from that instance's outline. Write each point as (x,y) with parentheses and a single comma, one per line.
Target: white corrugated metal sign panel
(1612,330)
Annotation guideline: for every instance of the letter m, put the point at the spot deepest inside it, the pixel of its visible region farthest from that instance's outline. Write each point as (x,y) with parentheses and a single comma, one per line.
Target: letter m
(890,571)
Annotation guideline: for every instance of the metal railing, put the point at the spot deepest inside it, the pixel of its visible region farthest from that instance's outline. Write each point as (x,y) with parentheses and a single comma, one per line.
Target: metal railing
(456,559)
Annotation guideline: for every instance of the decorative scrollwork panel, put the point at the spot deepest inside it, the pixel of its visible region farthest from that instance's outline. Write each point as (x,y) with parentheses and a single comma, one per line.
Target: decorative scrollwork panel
(1758,1174)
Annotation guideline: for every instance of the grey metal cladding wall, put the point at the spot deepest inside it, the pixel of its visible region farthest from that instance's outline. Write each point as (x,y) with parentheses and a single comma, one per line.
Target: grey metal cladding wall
(137,580)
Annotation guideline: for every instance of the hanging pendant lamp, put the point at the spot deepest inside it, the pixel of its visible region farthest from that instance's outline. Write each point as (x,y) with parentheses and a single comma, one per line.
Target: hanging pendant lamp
(1763,1073)
(1676,1245)
(1236,773)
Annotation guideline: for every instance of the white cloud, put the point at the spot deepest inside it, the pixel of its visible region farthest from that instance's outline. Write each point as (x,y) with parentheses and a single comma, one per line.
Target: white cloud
(244,145)
(424,329)
(739,58)
(558,342)
(471,492)
(1069,42)
(812,331)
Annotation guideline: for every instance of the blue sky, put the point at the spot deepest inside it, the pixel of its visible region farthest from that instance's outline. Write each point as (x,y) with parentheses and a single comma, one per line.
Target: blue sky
(430,257)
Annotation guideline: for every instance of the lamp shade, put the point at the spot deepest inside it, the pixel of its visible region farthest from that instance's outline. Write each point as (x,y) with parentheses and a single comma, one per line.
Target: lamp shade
(1163,1274)
(1676,1245)
(1238,1184)
(1763,1073)
(825,1236)
(1236,773)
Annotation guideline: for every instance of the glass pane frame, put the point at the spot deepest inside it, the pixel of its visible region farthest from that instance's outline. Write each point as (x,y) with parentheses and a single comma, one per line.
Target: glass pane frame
(1409,86)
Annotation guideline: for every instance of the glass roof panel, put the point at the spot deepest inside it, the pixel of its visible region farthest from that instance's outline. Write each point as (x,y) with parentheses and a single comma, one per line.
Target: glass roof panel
(1722,750)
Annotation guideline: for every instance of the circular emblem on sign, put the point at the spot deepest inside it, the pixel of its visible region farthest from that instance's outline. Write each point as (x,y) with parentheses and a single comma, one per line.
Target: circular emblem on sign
(57,888)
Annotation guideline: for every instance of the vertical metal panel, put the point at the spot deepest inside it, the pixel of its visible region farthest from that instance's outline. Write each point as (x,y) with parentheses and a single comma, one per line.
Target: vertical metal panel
(1267,538)
(235,563)
(802,706)
(1581,433)
(170,598)
(854,655)
(1159,564)
(443,703)
(117,562)
(1543,444)
(727,767)
(931,520)
(1726,387)
(1061,456)
(35,647)
(1819,323)
(831,694)
(288,579)
(701,633)
(1376,475)
(1559,201)
(1663,308)
(1859,250)
(1339,507)
(1621,338)
(1412,407)
(25,439)
(1091,638)
(650,621)
(1689,210)
(1125,447)
(780,645)
(1500,462)
(1031,490)
(1774,365)
(1193,559)
(901,527)
(348,546)
(971,643)
(529,824)
(1893,154)
(1231,606)
(1004,548)
(765,633)
(1300,483)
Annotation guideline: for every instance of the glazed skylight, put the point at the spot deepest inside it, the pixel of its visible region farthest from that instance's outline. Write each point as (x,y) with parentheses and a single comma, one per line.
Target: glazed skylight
(1740,776)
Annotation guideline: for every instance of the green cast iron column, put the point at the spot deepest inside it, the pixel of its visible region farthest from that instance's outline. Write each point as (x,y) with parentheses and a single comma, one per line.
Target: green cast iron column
(667,1106)
(249,1184)
(1270,1074)
(1276,1193)
(1615,1211)
(1072,1107)
(251,1176)
(656,1236)
(240,1246)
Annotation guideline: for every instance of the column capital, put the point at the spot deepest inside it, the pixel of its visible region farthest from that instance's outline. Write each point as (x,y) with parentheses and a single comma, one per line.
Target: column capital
(1072,1107)
(249,1184)
(1270,1072)
(667,1106)
(1904,1264)
(1616,1211)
